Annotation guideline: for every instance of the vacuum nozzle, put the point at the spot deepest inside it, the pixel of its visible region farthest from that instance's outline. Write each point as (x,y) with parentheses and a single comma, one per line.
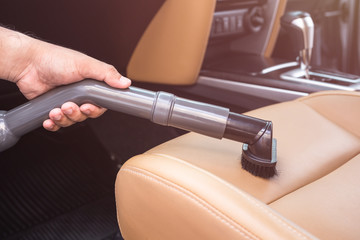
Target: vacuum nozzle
(259,148)
(257,165)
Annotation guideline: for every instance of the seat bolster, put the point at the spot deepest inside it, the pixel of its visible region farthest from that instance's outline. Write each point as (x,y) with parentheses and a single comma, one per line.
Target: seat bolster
(173,199)
(340,107)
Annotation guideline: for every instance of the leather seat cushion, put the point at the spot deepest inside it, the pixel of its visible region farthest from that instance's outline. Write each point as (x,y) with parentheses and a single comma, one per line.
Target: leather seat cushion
(328,207)
(162,197)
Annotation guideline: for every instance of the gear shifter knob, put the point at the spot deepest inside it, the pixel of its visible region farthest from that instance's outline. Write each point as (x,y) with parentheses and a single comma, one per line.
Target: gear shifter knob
(301,29)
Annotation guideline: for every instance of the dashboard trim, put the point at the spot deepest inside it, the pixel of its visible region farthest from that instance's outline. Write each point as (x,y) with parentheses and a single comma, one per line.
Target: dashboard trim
(274,94)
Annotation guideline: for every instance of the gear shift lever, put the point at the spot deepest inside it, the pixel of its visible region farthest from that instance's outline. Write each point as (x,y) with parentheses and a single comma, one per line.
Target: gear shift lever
(301,29)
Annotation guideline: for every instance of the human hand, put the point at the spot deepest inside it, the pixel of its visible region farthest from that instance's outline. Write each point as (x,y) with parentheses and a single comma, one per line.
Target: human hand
(41,66)
(54,66)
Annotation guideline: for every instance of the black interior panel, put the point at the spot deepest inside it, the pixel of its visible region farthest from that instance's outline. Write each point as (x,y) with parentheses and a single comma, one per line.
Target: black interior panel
(107,30)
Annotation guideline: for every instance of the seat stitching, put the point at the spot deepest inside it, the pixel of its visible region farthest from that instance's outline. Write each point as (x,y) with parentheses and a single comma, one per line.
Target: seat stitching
(266,211)
(276,218)
(188,194)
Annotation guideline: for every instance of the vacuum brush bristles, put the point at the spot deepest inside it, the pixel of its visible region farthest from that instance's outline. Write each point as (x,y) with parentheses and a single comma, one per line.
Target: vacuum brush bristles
(259,148)
(258,166)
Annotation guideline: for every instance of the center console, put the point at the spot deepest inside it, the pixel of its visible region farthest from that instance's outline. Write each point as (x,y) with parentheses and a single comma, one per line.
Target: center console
(237,18)
(237,64)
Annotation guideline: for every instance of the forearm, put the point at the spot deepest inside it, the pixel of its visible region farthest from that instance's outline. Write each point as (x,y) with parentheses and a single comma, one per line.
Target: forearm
(15,54)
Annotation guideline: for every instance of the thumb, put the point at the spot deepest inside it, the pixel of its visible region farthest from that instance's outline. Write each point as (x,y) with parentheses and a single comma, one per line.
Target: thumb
(93,68)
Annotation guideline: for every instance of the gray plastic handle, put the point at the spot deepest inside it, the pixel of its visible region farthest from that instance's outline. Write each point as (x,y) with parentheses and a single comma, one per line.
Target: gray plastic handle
(159,107)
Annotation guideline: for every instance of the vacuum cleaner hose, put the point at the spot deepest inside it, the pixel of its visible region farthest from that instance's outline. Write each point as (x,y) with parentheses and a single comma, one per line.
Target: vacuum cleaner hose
(159,107)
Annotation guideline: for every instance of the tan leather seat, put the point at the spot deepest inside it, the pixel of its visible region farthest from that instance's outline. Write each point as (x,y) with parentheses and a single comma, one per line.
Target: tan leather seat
(193,187)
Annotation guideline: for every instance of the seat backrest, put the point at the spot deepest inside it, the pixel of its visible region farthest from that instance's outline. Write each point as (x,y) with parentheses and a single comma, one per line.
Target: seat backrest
(173,46)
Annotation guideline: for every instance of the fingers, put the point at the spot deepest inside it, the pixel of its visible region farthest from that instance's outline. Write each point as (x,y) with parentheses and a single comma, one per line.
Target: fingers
(91,111)
(50,125)
(70,113)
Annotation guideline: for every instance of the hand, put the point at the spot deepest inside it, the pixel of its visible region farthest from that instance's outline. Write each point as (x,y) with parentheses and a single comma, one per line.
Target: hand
(70,113)
(39,66)
(54,66)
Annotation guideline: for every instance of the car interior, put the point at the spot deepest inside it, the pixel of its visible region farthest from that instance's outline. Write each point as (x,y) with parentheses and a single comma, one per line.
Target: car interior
(294,64)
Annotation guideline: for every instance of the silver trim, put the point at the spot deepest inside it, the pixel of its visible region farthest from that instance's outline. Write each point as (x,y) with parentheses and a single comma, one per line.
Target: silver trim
(297,74)
(335,77)
(230,12)
(275,94)
(306,25)
(278,67)
(335,13)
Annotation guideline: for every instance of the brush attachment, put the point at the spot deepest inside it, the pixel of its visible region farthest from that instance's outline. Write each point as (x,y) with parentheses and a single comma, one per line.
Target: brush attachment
(259,148)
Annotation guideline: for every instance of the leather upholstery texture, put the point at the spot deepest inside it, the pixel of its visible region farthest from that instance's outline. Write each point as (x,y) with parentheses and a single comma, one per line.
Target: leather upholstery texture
(193,187)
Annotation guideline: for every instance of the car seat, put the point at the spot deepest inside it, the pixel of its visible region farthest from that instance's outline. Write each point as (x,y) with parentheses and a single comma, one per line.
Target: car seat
(193,187)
